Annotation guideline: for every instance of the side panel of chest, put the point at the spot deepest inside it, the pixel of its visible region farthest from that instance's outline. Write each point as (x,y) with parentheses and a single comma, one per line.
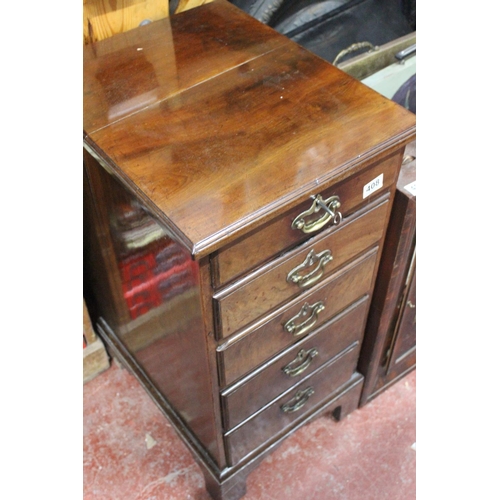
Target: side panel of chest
(147,292)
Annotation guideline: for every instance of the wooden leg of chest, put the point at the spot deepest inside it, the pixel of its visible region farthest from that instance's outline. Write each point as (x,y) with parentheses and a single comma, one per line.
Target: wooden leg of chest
(345,401)
(232,489)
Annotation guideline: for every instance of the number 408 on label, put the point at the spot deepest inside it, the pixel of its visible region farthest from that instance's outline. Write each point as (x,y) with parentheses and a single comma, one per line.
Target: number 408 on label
(373,186)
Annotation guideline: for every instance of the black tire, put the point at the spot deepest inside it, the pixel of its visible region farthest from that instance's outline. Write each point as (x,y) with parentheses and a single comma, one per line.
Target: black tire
(262,10)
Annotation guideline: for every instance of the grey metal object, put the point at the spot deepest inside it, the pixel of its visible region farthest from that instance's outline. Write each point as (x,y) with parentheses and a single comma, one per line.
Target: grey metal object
(409,51)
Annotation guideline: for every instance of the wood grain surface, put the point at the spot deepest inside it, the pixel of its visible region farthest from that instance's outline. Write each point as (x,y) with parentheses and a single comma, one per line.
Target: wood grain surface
(256,431)
(267,338)
(245,398)
(205,134)
(249,299)
(251,128)
(105,18)
(275,236)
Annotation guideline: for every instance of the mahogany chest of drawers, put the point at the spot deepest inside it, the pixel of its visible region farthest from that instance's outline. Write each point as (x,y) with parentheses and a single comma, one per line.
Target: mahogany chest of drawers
(237,194)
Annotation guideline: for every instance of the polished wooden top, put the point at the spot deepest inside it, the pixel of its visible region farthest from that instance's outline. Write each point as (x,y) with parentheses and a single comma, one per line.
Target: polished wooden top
(218,123)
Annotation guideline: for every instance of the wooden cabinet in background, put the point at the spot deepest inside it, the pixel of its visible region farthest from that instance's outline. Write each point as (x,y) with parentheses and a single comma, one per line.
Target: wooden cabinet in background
(237,196)
(389,348)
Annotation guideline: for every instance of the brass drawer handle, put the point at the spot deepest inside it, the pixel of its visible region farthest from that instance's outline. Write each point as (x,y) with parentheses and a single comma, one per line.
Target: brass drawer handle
(298,401)
(321,259)
(300,328)
(330,206)
(304,358)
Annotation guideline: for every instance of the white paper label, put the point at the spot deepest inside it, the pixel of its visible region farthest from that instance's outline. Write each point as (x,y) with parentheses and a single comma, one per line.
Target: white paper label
(373,186)
(412,188)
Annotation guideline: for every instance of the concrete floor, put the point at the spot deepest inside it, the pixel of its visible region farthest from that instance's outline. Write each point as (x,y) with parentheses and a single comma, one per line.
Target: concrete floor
(132,453)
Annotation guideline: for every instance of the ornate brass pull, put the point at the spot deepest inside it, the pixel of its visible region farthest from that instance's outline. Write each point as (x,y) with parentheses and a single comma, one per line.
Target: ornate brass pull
(304,358)
(298,401)
(300,328)
(330,206)
(321,259)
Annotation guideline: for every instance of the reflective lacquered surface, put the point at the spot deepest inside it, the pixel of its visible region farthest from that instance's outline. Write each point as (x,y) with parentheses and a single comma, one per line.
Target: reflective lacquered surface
(270,286)
(253,392)
(145,66)
(274,237)
(222,127)
(153,304)
(199,130)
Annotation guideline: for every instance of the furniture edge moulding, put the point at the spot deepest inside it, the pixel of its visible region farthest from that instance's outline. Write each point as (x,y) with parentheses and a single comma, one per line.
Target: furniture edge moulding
(111,168)
(251,221)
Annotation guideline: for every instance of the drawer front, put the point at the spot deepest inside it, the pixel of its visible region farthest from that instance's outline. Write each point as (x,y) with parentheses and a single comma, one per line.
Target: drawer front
(291,405)
(278,235)
(273,335)
(294,365)
(297,271)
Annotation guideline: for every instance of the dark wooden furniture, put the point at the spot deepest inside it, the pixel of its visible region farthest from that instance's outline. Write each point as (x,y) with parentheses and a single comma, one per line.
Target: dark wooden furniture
(389,348)
(237,194)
